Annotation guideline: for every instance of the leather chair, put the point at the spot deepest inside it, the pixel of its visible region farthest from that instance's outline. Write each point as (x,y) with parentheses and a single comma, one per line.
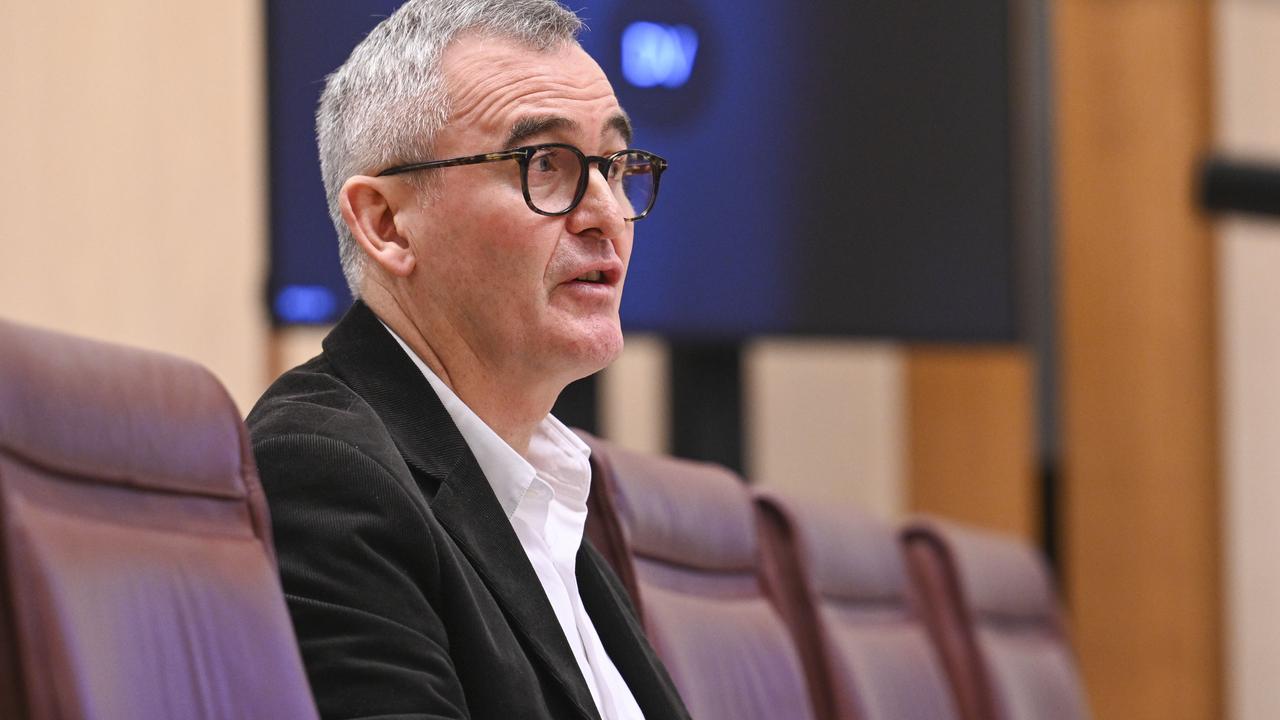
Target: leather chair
(693,559)
(992,608)
(137,578)
(841,579)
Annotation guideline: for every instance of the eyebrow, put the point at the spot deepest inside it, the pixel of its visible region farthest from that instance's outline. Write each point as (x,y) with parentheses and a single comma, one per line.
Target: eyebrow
(620,124)
(526,128)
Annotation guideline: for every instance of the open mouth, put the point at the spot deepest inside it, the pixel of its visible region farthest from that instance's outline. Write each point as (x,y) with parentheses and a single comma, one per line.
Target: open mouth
(595,276)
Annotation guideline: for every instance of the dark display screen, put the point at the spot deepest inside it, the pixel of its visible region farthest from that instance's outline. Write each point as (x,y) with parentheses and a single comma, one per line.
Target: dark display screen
(836,167)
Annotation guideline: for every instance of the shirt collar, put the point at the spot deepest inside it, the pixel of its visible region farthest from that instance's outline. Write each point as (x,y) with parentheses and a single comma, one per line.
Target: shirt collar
(556,454)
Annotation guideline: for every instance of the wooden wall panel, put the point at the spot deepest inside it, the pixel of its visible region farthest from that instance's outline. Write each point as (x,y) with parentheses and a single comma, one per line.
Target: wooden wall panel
(132,191)
(1140,490)
(971,436)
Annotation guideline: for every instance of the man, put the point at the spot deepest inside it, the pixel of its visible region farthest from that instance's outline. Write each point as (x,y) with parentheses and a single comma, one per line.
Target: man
(427,510)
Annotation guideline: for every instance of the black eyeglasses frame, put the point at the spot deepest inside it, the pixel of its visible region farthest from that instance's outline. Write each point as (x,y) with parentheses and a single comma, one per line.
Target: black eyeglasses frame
(523,155)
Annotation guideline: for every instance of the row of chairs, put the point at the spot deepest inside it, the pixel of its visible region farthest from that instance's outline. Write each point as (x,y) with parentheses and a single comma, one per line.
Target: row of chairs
(137,575)
(767,607)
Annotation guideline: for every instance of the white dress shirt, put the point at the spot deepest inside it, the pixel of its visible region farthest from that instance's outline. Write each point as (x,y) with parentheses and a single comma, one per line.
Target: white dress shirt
(545,498)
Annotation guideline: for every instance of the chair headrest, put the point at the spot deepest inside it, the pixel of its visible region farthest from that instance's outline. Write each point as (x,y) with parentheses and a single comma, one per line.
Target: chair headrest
(999,576)
(116,414)
(851,554)
(687,513)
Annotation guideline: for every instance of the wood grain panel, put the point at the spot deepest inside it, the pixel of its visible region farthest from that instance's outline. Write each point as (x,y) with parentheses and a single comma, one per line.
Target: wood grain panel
(132,191)
(971,436)
(1140,491)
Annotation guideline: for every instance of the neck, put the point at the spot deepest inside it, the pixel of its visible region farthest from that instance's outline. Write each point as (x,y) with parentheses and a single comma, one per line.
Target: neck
(511,405)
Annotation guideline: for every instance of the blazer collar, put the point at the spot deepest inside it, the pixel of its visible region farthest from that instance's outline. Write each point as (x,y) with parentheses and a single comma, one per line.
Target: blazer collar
(372,364)
(370,361)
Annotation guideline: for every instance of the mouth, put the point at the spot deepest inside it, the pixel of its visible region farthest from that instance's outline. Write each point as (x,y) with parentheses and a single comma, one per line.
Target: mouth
(607,275)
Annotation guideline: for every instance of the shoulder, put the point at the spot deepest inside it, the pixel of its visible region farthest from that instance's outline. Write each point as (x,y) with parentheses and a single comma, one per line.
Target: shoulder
(311,405)
(321,449)
(310,397)
(331,470)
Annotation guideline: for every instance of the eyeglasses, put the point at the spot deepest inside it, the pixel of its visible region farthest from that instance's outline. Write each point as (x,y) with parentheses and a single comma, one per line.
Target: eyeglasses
(554,176)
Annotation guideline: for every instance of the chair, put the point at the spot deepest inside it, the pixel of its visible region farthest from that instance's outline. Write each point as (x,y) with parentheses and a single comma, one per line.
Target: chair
(991,605)
(693,559)
(137,577)
(840,576)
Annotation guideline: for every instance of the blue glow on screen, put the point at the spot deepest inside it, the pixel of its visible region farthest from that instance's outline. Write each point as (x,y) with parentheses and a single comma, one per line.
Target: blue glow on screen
(654,54)
(305,304)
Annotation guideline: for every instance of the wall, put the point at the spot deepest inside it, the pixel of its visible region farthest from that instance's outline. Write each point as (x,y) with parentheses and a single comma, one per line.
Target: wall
(971,435)
(1247,63)
(827,419)
(1139,377)
(132,184)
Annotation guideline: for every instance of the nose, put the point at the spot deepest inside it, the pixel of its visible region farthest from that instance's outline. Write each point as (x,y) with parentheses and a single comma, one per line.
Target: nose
(599,210)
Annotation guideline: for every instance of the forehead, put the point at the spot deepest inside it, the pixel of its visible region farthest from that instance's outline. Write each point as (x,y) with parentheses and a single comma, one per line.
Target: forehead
(494,84)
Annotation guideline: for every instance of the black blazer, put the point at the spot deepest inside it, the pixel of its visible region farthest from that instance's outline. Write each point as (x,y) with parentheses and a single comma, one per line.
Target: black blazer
(409,591)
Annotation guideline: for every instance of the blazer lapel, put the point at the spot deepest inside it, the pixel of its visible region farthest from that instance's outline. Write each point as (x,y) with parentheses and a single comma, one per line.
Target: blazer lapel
(468,509)
(376,367)
(624,640)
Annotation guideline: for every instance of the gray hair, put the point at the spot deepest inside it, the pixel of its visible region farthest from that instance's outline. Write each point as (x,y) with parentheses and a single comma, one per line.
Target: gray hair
(387,101)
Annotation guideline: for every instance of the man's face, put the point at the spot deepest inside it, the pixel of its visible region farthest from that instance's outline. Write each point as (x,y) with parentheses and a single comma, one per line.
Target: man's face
(491,272)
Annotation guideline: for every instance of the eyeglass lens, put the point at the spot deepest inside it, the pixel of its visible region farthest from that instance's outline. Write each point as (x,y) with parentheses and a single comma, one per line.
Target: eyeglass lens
(555,172)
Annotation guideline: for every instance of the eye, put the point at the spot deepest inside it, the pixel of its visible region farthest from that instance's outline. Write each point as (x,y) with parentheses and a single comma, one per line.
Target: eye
(548,160)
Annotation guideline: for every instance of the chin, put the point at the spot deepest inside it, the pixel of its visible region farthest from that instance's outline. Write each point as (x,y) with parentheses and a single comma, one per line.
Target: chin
(593,351)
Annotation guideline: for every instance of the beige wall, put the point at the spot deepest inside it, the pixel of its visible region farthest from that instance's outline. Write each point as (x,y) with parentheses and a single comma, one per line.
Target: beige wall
(634,406)
(1247,65)
(825,419)
(131,146)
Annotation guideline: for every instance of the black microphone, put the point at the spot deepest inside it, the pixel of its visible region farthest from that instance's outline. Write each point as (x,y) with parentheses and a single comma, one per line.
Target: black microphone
(1240,186)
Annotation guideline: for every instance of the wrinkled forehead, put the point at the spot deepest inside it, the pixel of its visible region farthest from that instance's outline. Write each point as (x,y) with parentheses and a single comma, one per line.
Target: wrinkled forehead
(509,92)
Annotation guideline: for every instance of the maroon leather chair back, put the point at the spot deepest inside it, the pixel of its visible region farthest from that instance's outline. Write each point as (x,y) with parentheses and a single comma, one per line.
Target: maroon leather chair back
(992,606)
(840,576)
(695,562)
(137,578)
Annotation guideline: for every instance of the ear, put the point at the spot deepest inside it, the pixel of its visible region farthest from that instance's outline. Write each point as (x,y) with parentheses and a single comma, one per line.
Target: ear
(370,213)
